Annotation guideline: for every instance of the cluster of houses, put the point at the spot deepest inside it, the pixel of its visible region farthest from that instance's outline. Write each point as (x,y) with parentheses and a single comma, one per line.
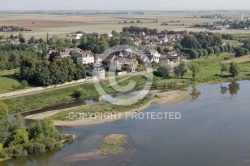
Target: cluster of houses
(156,39)
(125,58)
(117,60)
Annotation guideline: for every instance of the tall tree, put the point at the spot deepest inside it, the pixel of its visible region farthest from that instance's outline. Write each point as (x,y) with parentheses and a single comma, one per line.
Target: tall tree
(164,70)
(224,68)
(180,70)
(234,69)
(194,54)
(195,68)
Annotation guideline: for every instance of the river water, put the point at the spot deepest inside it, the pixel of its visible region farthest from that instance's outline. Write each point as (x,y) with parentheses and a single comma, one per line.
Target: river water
(214,130)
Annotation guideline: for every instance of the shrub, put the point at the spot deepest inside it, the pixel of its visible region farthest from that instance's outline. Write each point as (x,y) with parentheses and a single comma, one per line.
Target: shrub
(34,148)
(89,74)
(49,143)
(69,138)
(3,155)
(16,151)
(24,84)
(78,93)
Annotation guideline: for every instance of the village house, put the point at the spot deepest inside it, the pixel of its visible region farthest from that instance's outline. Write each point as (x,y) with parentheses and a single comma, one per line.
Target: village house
(144,35)
(76,50)
(86,57)
(172,57)
(137,41)
(77,36)
(122,58)
(163,38)
(14,42)
(148,47)
(152,55)
(109,34)
(67,50)
(65,55)
(98,70)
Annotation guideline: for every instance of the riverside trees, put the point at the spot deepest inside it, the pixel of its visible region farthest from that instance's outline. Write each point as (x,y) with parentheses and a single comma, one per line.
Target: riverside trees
(16,140)
(46,72)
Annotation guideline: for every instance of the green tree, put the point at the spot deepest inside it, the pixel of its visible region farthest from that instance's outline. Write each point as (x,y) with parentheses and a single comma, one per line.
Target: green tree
(78,93)
(20,136)
(21,38)
(222,49)
(247,44)
(200,52)
(49,130)
(17,123)
(195,68)
(234,69)
(115,34)
(210,50)
(32,40)
(246,52)
(178,47)
(224,68)
(229,48)
(216,50)
(205,52)
(180,70)
(164,70)
(239,51)
(194,54)
(225,48)
(35,130)
(190,42)
(4,123)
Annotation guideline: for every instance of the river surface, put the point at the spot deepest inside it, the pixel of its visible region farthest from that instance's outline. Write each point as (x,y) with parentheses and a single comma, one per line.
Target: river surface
(214,130)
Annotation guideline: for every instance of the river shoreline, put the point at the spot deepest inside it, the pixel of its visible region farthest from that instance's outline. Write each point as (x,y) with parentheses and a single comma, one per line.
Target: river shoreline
(157,98)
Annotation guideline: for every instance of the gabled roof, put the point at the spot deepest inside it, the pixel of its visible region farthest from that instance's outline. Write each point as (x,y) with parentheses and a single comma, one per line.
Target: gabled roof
(153,51)
(86,54)
(76,49)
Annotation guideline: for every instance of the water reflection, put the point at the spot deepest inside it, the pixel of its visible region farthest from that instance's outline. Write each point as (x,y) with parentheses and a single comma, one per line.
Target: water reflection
(233,88)
(195,93)
(41,159)
(223,89)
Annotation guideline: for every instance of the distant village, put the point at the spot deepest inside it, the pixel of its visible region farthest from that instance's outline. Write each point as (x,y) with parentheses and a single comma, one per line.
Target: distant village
(227,23)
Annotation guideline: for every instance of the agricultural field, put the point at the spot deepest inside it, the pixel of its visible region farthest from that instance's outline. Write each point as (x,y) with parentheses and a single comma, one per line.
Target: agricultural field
(63,25)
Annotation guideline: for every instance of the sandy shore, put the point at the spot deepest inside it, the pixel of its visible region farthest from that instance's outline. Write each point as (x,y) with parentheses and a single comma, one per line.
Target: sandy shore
(159,98)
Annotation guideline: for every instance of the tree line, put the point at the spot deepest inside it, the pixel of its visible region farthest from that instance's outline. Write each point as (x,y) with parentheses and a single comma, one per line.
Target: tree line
(52,70)
(135,30)
(99,43)
(18,140)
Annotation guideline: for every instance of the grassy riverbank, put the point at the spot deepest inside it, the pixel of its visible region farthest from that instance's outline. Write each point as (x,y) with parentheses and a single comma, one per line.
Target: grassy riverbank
(210,73)
(106,112)
(62,95)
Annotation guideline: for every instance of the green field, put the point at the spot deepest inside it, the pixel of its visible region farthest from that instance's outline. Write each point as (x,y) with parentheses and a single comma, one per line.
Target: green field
(62,95)
(7,80)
